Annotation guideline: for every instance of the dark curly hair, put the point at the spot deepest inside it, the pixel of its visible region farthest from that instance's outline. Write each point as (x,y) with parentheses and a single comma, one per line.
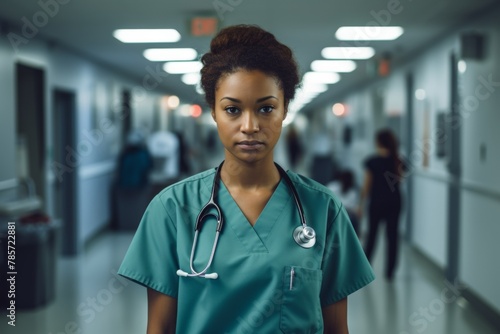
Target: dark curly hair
(248,47)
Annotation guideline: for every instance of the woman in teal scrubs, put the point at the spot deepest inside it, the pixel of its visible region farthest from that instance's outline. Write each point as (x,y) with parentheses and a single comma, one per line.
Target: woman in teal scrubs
(266,282)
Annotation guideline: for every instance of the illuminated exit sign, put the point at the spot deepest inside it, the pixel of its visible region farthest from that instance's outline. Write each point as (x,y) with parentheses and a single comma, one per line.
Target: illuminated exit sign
(204,26)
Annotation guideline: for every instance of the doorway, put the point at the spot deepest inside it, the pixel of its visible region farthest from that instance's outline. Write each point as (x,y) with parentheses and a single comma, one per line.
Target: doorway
(30,131)
(65,169)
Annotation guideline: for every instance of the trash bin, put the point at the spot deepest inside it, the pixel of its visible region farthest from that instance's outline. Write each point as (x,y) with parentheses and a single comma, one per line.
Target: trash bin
(35,264)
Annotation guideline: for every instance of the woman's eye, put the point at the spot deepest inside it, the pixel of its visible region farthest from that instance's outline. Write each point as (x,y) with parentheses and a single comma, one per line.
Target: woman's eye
(267,109)
(231,110)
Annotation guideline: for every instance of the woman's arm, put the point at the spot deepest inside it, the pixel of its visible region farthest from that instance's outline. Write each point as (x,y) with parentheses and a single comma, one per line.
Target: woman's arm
(335,318)
(162,313)
(367,184)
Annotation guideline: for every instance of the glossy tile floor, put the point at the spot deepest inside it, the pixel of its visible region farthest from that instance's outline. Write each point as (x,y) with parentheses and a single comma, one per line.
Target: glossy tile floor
(92,300)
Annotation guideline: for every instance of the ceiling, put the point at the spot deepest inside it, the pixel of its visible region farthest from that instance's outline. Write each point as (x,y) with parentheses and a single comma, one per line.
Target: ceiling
(306,26)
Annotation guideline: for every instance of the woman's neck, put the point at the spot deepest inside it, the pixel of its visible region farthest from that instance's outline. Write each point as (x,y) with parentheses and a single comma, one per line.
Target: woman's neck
(254,175)
(383,151)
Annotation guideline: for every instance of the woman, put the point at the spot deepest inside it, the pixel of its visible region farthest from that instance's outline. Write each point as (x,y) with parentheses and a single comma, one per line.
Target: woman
(256,278)
(383,172)
(344,187)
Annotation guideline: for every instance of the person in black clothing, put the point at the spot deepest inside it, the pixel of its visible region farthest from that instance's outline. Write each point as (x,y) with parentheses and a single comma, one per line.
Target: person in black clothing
(294,147)
(383,172)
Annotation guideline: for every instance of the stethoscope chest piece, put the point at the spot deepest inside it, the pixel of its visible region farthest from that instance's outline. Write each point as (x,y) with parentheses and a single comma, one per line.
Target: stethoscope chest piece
(304,236)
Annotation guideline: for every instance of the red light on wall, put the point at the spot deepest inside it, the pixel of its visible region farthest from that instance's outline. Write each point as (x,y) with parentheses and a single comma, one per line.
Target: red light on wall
(384,67)
(204,26)
(196,111)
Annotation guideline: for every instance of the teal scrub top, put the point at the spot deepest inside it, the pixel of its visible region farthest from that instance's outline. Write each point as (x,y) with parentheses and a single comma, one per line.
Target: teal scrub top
(254,292)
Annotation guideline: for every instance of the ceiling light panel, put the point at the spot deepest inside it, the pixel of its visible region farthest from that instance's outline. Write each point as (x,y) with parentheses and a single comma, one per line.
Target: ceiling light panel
(346,52)
(321,77)
(341,66)
(191,78)
(182,67)
(147,35)
(170,54)
(368,33)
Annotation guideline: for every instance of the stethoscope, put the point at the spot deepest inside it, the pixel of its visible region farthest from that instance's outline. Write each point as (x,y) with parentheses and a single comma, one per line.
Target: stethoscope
(304,235)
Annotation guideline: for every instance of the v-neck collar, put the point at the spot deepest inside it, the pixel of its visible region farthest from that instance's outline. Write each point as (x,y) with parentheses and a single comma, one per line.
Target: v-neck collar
(253,237)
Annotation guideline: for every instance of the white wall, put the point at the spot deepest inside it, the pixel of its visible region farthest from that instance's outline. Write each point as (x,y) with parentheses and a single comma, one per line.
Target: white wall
(430,217)
(98,93)
(430,212)
(480,214)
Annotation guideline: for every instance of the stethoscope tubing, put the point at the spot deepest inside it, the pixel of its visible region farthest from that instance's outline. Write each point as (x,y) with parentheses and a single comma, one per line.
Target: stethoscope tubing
(304,235)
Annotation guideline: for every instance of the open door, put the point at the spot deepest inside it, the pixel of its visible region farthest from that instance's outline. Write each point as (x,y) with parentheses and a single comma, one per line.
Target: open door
(30,132)
(65,169)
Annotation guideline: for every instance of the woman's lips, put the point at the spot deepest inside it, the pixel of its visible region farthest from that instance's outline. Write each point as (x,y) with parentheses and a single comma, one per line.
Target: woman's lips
(250,145)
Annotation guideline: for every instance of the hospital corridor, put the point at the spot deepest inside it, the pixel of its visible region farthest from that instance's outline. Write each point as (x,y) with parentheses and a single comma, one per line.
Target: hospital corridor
(236,166)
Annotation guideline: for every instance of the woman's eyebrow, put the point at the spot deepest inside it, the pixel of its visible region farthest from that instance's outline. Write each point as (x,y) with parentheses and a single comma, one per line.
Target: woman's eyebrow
(258,100)
(266,98)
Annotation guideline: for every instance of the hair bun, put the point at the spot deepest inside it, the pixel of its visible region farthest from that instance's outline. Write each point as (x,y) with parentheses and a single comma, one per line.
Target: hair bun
(241,36)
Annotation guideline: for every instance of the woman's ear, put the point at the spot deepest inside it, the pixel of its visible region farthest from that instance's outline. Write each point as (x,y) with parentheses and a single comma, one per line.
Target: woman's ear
(212,112)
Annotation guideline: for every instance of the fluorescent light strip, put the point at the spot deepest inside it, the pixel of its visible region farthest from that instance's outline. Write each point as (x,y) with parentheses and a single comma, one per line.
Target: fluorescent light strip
(346,52)
(170,54)
(368,33)
(191,78)
(314,88)
(147,35)
(182,67)
(321,77)
(342,66)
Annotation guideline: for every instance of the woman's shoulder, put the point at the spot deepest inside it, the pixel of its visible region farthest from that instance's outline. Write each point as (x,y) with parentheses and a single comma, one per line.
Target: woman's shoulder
(375,160)
(192,183)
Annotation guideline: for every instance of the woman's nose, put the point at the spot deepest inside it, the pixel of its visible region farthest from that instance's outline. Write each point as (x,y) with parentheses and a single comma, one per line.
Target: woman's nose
(249,122)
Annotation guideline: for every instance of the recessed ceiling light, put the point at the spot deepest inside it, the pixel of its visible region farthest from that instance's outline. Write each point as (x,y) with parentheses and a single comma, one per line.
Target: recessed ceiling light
(191,78)
(147,35)
(342,66)
(368,33)
(346,52)
(462,66)
(181,67)
(170,54)
(321,77)
(420,94)
(314,87)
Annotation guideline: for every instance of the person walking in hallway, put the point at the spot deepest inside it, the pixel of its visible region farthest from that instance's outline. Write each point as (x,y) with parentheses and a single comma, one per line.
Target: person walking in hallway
(383,173)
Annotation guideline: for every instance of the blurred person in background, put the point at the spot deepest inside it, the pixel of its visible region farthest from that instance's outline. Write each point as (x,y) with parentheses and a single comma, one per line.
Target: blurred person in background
(134,163)
(131,187)
(294,146)
(383,173)
(344,187)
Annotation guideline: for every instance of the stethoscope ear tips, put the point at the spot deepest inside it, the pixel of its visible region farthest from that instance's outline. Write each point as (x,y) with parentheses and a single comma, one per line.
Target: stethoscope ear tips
(304,236)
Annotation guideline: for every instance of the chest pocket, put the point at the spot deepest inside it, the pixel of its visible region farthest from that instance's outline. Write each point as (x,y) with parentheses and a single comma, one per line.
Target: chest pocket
(301,308)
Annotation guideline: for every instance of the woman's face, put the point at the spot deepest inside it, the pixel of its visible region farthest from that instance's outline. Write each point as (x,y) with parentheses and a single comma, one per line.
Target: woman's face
(249,110)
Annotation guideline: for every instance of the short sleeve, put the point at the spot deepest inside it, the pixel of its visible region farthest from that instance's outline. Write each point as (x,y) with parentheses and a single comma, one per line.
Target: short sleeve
(345,266)
(151,259)
(369,164)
